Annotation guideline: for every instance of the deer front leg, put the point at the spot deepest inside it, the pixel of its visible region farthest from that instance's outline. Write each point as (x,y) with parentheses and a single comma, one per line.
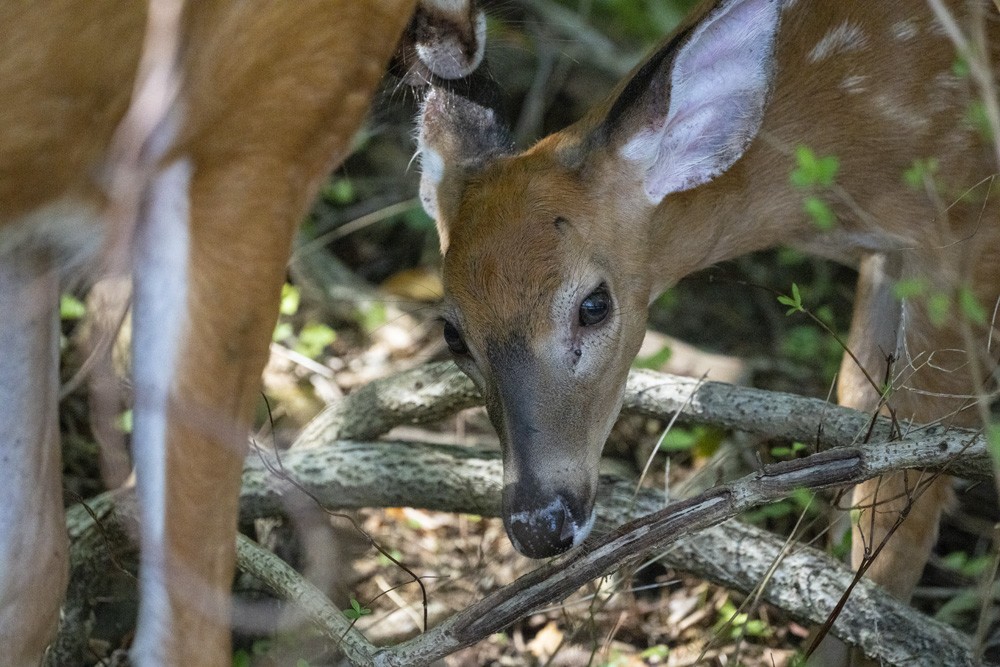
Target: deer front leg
(210,264)
(33,542)
(877,332)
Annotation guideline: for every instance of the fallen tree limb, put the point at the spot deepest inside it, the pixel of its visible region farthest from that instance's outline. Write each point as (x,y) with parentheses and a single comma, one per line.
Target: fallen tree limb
(806,583)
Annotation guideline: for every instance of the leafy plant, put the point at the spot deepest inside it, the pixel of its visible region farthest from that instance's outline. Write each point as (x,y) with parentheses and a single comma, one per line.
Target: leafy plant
(356,610)
(814,174)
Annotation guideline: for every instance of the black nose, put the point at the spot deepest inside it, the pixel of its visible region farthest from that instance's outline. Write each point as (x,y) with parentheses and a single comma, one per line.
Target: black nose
(549,530)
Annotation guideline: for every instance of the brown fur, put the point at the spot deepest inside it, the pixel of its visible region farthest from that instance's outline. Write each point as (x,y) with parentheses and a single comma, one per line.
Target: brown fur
(272,94)
(878,106)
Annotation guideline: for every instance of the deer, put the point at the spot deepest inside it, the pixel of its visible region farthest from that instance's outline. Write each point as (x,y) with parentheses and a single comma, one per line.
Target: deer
(551,255)
(259,102)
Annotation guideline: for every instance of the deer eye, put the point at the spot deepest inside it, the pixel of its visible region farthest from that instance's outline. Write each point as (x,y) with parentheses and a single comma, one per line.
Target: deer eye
(595,308)
(454,339)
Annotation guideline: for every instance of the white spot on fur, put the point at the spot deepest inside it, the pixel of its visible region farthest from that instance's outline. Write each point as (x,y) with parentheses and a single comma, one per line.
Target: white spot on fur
(905,30)
(854,84)
(898,113)
(159,316)
(845,38)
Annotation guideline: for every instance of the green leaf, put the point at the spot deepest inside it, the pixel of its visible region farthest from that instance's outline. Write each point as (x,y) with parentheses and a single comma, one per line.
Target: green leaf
(812,171)
(921,172)
(124,422)
(970,305)
(241,659)
(993,442)
(654,361)
(938,308)
(339,191)
(793,302)
(290,299)
(909,288)
(314,338)
(960,68)
(71,308)
(660,652)
(819,212)
(356,611)
(979,120)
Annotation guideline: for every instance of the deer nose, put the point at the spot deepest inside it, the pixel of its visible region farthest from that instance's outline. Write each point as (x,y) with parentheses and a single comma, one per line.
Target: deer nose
(549,530)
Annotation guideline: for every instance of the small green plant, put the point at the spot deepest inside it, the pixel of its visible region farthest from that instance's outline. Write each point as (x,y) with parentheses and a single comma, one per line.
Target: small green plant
(654,361)
(739,624)
(71,308)
(794,302)
(339,191)
(813,175)
(922,173)
(314,338)
(993,442)
(967,566)
(655,655)
(789,451)
(356,610)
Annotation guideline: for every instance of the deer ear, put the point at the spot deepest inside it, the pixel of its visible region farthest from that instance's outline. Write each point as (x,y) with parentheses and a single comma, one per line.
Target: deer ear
(691,111)
(456,138)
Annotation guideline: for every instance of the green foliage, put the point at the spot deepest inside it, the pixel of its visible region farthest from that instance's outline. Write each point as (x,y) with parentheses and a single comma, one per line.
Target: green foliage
(993,442)
(960,68)
(699,439)
(654,361)
(799,501)
(339,191)
(791,451)
(967,566)
(813,171)
(813,175)
(373,316)
(643,20)
(71,308)
(979,120)
(124,422)
(739,624)
(921,173)
(314,338)
(356,611)
(819,213)
(794,302)
(262,648)
(656,654)
(910,288)
(970,306)
(938,308)
(290,299)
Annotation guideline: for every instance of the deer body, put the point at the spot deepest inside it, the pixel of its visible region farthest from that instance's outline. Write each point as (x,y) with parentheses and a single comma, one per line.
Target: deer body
(270,95)
(551,256)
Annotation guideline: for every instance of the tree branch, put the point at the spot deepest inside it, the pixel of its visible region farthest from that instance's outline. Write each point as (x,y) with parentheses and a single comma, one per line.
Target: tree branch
(691,535)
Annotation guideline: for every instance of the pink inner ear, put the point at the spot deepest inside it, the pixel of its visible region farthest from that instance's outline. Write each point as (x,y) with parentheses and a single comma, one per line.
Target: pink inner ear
(719,83)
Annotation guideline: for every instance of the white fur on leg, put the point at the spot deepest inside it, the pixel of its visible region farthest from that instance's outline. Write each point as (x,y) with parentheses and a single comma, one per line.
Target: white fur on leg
(33,542)
(159,316)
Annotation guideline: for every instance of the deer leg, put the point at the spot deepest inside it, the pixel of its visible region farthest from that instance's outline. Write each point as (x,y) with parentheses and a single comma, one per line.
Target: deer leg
(33,542)
(877,332)
(212,256)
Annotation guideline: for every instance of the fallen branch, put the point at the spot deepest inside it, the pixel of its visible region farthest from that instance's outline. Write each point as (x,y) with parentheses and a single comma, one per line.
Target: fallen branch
(806,583)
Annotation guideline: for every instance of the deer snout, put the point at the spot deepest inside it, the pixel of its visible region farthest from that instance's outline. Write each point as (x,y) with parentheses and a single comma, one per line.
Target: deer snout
(540,527)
